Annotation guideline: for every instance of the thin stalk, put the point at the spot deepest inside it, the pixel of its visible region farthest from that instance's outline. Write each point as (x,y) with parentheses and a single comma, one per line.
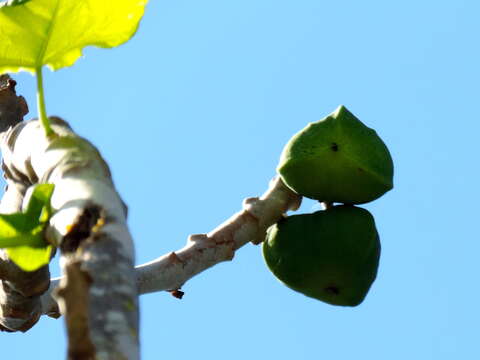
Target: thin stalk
(326,204)
(42,111)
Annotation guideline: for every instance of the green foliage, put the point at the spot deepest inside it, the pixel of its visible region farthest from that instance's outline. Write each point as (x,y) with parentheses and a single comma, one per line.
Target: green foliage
(337,159)
(54,32)
(35,33)
(39,206)
(22,234)
(30,258)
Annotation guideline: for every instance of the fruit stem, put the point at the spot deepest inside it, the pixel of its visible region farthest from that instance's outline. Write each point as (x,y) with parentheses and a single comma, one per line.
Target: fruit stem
(326,204)
(42,111)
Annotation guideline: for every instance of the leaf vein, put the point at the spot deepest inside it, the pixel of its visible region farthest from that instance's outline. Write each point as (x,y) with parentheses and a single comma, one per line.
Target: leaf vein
(50,29)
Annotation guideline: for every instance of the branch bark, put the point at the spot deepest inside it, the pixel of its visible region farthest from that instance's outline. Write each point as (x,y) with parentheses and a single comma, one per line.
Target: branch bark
(171,271)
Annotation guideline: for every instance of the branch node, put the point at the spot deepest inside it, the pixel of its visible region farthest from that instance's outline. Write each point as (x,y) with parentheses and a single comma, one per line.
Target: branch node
(198,237)
(173,257)
(250,201)
(254,207)
(260,233)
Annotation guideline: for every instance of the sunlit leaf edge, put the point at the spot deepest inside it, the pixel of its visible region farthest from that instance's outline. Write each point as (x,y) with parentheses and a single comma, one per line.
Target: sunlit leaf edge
(68,57)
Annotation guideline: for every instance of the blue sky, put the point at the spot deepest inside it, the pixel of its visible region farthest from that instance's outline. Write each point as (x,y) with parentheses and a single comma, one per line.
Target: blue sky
(192,115)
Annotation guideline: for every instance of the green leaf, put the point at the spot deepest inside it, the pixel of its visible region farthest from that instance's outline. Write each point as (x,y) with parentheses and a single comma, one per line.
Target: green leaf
(15,230)
(29,258)
(54,32)
(39,203)
(12,225)
(21,234)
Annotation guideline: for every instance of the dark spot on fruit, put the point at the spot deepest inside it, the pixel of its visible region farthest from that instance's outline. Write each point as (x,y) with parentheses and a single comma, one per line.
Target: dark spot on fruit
(332,290)
(360,169)
(334,147)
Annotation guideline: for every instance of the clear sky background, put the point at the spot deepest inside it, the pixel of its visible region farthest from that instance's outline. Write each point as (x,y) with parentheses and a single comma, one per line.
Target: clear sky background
(192,115)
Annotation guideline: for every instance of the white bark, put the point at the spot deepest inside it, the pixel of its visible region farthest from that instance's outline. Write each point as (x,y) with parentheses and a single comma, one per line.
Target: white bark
(170,271)
(98,295)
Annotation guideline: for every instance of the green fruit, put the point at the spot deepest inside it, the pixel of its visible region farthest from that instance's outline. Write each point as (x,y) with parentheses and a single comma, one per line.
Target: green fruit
(330,255)
(337,159)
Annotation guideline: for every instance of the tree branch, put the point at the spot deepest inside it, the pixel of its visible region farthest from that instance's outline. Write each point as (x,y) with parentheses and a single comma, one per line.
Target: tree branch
(169,272)
(98,292)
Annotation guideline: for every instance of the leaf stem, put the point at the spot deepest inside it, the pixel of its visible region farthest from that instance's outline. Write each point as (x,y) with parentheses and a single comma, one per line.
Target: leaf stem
(42,111)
